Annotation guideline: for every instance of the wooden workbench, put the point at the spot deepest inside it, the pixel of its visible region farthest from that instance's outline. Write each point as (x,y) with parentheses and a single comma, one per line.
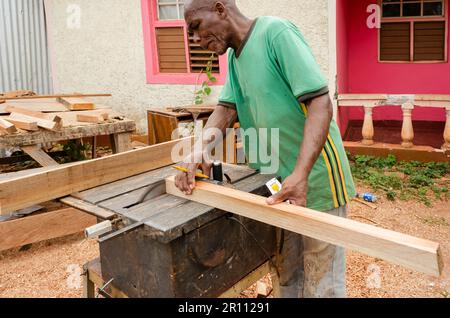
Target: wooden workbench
(45,226)
(119,130)
(181,248)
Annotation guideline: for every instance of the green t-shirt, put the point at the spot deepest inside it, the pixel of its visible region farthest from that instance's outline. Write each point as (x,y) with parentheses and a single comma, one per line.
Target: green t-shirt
(268,80)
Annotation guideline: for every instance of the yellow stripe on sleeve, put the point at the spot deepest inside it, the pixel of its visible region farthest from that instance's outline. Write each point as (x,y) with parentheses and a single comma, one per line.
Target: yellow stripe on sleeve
(340,168)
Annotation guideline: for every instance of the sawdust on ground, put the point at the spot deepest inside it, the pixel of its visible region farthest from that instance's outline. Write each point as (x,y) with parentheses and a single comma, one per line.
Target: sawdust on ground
(52,268)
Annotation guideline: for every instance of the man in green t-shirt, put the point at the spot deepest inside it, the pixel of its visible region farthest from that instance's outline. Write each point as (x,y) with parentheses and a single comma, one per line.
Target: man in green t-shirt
(274,82)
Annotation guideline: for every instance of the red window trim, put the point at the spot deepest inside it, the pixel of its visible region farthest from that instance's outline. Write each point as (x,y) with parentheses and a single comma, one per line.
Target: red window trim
(412,20)
(150,23)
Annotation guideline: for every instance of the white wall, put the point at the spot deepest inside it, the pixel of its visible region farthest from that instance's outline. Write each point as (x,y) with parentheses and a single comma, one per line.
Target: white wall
(310,16)
(106,54)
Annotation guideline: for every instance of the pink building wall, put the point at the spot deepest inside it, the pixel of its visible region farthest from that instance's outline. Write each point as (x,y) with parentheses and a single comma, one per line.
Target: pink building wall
(360,72)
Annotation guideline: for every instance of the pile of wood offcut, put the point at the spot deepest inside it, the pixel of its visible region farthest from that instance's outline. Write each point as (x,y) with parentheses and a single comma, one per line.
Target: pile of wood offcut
(25,111)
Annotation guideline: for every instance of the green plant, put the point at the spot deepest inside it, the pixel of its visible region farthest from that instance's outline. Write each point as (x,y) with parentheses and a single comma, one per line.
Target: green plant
(75,151)
(205,89)
(403,180)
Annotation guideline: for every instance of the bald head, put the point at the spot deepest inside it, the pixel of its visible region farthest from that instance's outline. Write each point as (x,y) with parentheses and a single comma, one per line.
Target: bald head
(190,5)
(212,22)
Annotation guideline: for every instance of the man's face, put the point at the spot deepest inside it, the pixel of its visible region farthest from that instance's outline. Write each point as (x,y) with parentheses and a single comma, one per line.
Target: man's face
(209,30)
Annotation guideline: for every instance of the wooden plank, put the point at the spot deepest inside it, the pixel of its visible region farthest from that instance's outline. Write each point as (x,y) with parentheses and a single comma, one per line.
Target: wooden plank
(25,191)
(38,105)
(22,173)
(20,93)
(170,216)
(7,127)
(24,124)
(43,123)
(24,111)
(95,119)
(57,96)
(92,209)
(40,156)
(76,130)
(73,103)
(414,253)
(69,118)
(43,227)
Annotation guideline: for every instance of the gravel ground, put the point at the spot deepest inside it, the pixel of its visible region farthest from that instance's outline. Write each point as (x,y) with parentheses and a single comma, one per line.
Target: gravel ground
(51,269)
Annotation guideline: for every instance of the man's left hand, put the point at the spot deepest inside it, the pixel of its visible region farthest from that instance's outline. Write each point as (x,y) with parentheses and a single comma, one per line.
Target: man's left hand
(295,189)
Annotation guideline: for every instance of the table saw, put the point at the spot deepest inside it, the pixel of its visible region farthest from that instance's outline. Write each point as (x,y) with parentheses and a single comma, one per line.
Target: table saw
(170,247)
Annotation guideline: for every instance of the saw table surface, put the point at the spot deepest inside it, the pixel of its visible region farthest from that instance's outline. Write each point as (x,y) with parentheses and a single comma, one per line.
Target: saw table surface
(168,216)
(182,248)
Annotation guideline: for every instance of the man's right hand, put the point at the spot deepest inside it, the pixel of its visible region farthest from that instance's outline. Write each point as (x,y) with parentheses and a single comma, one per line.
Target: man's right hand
(185,181)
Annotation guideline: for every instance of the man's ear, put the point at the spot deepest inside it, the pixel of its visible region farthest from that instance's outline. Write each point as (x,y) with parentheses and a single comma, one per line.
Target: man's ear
(221,10)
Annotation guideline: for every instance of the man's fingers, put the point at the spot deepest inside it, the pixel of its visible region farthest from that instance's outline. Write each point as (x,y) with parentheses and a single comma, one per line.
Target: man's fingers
(278,198)
(179,181)
(183,179)
(206,168)
(191,179)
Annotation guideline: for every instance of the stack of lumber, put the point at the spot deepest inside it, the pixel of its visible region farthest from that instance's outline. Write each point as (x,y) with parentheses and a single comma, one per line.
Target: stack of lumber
(15,94)
(23,112)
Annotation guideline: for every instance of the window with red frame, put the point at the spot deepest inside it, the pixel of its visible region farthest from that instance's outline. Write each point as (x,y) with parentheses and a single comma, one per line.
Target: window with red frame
(177,52)
(413,31)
